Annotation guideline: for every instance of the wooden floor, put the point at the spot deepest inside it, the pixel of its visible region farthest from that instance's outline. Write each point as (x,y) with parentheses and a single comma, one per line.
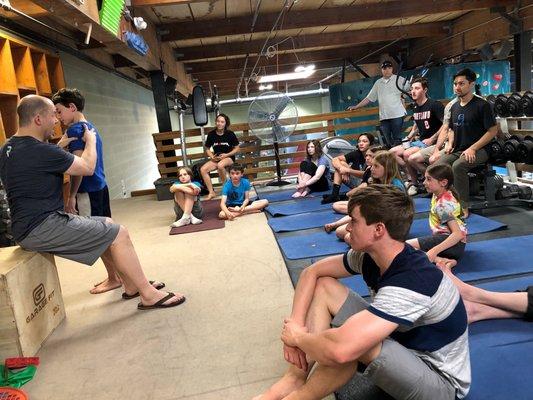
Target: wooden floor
(223,343)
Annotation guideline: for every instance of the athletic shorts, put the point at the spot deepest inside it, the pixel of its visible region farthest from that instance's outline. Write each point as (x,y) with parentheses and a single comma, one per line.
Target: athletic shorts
(197,210)
(428,242)
(95,204)
(427,152)
(397,370)
(80,239)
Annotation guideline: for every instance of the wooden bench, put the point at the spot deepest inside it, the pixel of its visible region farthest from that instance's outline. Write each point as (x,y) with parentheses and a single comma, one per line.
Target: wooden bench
(31,304)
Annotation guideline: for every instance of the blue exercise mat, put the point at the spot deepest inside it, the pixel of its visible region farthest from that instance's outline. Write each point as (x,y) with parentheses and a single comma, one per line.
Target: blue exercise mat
(282,195)
(298,222)
(475,224)
(501,359)
(420,227)
(306,205)
(315,244)
(318,244)
(494,258)
(508,285)
(297,206)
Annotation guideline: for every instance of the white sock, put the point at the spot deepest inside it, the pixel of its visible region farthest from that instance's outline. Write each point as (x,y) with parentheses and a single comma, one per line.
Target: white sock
(195,221)
(185,215)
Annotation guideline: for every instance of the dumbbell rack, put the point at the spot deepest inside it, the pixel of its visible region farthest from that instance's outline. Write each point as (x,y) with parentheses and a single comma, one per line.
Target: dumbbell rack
(510,126)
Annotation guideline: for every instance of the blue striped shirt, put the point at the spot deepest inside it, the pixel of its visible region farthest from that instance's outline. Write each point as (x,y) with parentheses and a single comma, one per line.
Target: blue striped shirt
(426,305)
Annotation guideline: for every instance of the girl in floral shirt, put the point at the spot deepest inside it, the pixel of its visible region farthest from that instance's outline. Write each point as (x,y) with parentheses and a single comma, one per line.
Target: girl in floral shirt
(445,217)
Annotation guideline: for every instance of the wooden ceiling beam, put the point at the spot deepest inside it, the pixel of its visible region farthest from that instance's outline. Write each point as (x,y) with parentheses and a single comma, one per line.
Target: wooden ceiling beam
(157,3)
(469,32)
(308,41)
(353,52)
(180,30)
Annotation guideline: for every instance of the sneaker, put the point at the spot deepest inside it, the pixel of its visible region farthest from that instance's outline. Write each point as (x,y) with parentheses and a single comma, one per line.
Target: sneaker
(181,222)
(412,190)
(195,221)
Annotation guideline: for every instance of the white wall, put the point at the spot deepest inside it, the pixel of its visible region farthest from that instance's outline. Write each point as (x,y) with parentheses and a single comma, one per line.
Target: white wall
(124,114)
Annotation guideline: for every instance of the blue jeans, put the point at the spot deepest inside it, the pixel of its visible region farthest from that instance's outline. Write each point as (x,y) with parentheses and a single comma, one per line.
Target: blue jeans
(392,130)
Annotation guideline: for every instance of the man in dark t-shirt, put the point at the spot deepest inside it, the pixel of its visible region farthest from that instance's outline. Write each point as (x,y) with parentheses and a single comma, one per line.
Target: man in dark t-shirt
(32,173)
(427,116)
(474,126)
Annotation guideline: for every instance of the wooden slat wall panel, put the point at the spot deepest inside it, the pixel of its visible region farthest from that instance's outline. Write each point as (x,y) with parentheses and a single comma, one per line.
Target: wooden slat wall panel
(252,153)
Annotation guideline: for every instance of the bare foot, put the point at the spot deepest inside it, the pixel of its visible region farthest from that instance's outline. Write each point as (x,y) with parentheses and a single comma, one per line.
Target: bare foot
(304,193)
(295,195)
(177,299)
(330,227)
(445,263)
(211,195)
(286,385)
(105,286)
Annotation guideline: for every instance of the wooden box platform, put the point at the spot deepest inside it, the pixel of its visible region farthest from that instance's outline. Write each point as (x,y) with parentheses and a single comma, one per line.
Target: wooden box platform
(31,304)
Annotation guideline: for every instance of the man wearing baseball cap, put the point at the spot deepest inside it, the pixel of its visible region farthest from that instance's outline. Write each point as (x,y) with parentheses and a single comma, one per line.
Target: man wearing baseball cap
(391,108)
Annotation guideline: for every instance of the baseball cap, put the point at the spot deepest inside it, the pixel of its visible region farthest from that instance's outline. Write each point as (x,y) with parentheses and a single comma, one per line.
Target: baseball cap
(386,64)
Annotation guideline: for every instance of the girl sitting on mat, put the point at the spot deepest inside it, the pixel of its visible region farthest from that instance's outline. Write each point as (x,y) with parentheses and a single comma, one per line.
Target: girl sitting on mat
(187,205)
(445,217)
(384,170)
(313,171)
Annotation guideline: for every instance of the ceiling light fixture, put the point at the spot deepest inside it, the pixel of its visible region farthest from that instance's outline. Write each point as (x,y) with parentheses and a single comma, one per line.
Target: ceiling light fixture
(303,68)
(266,87)
(290,76)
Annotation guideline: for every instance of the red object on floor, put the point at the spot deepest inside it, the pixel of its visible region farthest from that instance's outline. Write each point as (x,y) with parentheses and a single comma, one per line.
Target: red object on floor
(8,393)
(21,362)
(296,170)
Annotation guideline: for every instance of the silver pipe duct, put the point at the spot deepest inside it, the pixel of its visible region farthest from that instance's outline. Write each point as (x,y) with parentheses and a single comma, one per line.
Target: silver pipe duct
(293,94)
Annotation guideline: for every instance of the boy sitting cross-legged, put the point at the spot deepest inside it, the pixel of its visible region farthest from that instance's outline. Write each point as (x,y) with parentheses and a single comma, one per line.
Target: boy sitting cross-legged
(236,196)
(410,340)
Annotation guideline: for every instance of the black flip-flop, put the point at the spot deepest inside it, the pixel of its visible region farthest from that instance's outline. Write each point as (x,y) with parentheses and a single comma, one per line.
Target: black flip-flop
(160,304)
(126,296)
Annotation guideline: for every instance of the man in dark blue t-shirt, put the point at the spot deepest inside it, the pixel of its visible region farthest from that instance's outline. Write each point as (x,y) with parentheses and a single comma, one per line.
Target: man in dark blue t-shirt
(474,126)
(32,173)
(411,340)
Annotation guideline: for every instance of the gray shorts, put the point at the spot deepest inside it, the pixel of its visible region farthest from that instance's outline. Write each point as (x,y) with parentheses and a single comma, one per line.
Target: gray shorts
(197,210)
(81,239)
(428,152)
(397,370)
(428,242)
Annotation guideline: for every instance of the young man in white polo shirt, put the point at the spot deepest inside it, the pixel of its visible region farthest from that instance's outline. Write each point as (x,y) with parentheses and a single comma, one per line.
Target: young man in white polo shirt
(391,108)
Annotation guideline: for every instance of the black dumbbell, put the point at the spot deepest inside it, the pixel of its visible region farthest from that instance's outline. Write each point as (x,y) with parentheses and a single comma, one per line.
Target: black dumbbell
(497,182)
(527,103)
(514,105)
(524,151)
(491,99)
(495,149)
(507,192)
(525,192)
(500,106)
(510,148)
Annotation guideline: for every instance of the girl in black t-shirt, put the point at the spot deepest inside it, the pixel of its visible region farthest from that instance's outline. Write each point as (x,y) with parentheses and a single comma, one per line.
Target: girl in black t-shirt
(224,145)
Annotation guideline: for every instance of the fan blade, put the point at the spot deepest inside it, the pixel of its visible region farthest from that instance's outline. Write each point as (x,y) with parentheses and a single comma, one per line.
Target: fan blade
(258,115)
(280,106)
(278,131)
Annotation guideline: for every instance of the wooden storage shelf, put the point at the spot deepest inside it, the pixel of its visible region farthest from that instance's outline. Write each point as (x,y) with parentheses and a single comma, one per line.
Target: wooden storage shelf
(8,107)
(8,80)
(42,79)
(55,73)
(23,67)
(24,70)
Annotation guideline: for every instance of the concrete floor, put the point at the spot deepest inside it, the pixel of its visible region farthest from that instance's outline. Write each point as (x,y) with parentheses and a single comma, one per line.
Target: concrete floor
(223,343)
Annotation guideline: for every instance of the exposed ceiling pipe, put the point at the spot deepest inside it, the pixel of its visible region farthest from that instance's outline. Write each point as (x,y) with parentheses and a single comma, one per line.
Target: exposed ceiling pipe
(239,100)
